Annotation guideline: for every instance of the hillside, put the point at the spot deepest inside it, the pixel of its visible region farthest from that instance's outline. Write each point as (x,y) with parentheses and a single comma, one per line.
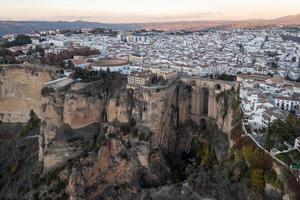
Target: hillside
(287,20)
(201,25)
(30,26)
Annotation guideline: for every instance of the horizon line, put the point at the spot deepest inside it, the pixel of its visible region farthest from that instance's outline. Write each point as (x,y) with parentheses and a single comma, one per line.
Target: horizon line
(154,22)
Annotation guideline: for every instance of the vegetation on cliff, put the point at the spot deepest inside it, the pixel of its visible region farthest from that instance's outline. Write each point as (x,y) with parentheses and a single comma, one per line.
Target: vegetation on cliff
(235,106)
(229,99)
(90,76)
(32,123)
(257,165)
(122,160)
(281,131)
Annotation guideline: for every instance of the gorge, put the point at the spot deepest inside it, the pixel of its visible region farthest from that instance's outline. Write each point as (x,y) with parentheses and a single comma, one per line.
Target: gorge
(104,140)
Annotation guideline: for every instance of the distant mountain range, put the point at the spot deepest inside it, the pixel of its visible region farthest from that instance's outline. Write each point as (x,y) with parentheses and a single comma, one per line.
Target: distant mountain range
(22,27)
(30,26)
(200,25)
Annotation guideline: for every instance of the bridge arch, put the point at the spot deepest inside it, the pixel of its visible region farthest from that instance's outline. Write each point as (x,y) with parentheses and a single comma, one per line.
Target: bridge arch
(203,124)
(205,100)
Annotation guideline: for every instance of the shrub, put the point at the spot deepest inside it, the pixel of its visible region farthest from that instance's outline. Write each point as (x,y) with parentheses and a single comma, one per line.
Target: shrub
(14,168)
(255,157)
(257,179)
(278,184)
(270,176)
(32,123)
(205,154)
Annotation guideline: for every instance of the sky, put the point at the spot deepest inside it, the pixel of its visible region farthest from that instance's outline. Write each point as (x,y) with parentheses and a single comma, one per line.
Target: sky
(129,11)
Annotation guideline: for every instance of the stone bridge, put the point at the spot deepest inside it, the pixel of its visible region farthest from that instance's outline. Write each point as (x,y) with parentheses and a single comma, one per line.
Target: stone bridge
(204,104)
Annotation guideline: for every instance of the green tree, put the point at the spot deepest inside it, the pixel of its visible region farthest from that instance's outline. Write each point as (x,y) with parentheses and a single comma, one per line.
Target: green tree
(268,140)
(205,154)
(70,64)
(293,120)
(280,131)
(19,41)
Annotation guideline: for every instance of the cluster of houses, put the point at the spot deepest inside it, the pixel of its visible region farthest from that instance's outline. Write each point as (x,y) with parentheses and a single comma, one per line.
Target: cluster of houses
(199,53)
(265,99)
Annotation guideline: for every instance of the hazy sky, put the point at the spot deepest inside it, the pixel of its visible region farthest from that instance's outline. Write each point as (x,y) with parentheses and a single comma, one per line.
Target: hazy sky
(145,10)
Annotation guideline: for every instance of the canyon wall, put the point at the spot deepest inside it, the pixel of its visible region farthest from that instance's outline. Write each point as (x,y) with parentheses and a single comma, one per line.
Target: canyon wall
(73,117)
(70,120)
(20,91)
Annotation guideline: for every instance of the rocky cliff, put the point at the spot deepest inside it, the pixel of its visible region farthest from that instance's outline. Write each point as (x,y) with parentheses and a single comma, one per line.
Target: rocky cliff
(87,106)
(20,91)
(101,140)
(68,113)
(71,118)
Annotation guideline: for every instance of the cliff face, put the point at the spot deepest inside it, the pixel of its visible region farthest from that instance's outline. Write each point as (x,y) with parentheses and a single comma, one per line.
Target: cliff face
(100,140)
(70,120)
(68,114)
(72,117)
(20,91)
(159,111)
(117,170)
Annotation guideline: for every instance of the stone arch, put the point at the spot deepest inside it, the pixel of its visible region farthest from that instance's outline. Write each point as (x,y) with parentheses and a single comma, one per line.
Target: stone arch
(205,103)
(203,124)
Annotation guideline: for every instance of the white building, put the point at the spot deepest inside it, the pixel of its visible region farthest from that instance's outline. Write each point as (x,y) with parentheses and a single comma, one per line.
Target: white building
(288,103)
(140,78)
(271,115)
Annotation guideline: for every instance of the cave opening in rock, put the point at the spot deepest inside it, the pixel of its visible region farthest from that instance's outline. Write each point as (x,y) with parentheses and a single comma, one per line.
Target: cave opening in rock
(205,101)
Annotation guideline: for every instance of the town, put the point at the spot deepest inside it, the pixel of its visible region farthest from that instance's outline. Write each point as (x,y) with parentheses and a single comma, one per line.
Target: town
(265,63)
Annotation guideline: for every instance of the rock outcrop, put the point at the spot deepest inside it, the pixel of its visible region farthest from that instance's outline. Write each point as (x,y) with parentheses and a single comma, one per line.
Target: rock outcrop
(101,140)
(122,163)
(20,91)
(70,119)
(83,106)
